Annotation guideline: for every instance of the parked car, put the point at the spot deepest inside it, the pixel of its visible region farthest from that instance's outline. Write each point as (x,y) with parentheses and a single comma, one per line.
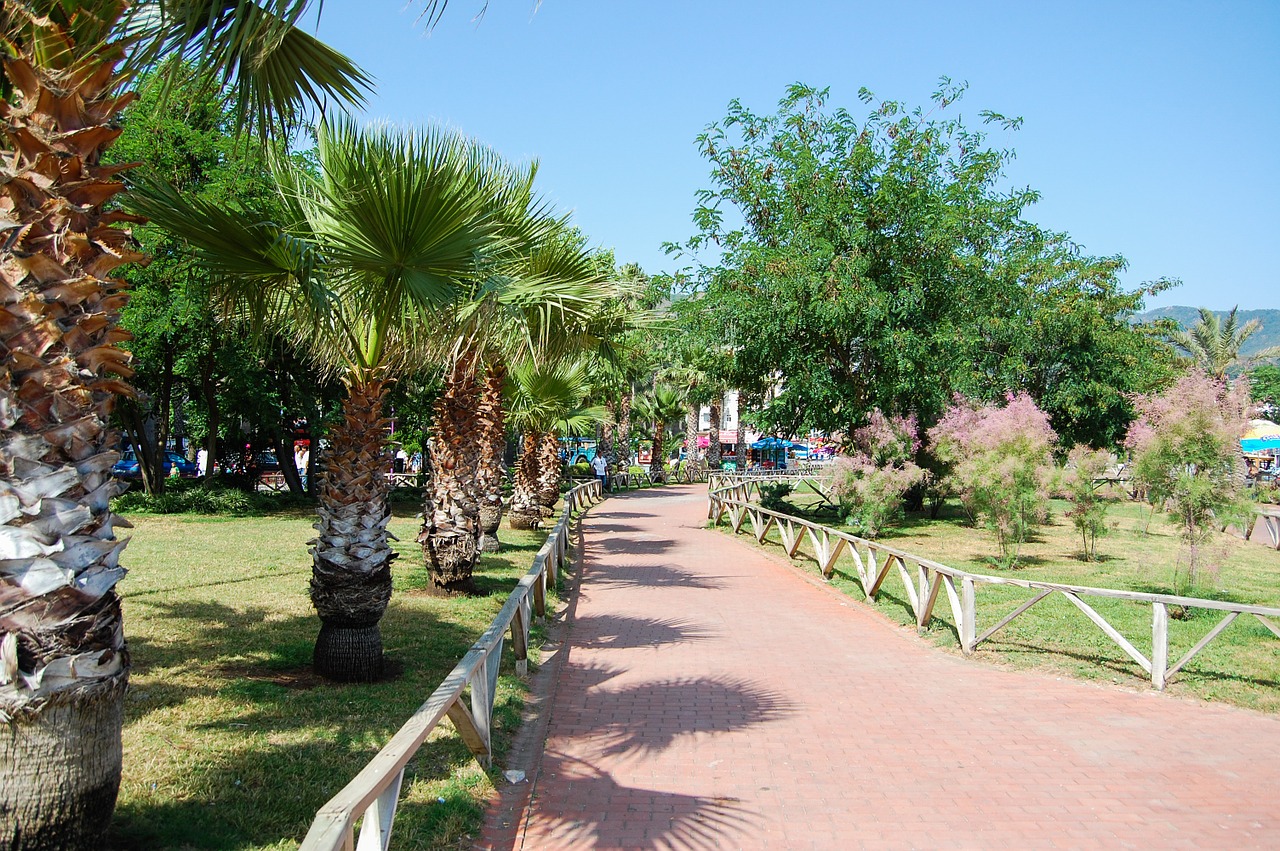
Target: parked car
(128,468)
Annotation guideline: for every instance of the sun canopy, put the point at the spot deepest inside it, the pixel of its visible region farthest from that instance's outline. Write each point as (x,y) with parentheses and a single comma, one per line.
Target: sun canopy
(1260,436)
(775,443)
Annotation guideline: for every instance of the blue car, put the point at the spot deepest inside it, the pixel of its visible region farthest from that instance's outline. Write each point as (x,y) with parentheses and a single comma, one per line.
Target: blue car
(127,467)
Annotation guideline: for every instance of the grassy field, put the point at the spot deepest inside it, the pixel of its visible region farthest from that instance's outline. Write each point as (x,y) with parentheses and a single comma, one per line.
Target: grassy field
(1240,666)
(231,742)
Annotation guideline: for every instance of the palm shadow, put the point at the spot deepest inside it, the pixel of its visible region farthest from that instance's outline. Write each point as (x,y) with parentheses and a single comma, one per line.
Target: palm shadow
(566,814)
(598,632)
(621,721)
(655,576)
(630,546)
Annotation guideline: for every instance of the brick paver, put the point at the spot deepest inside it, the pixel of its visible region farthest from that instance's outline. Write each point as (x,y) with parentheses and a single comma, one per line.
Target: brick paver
(712,697)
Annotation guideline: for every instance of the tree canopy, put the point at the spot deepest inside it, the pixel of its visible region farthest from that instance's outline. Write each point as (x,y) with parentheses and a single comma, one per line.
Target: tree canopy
(883,263)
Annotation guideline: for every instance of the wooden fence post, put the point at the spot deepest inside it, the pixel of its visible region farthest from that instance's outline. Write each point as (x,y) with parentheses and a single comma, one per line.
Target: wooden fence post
(1159,644)
(968,629)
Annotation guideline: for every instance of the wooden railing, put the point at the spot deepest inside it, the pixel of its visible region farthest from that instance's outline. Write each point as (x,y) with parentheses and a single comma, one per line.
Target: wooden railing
(874,562)
(375,791)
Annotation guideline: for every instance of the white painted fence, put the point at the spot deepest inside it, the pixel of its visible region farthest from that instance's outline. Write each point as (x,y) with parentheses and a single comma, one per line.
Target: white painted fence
(375,791)
(874,562)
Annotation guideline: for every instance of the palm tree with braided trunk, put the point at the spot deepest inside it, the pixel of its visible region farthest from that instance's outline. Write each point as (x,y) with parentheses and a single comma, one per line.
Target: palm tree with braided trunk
(377,249)
(68,67)
(544,400)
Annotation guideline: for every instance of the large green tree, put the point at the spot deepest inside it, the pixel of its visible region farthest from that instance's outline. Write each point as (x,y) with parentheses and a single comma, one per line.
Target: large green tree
(853,264)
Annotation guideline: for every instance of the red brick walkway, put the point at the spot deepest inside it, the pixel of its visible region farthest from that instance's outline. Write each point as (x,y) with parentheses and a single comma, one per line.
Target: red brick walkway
(711,698)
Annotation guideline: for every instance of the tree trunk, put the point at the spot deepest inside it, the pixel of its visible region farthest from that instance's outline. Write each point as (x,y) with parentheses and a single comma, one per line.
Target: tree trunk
(606,445)
(691,452)
(283,432)
(713,449)
(624,431)
(450,533)
(209,389)
(549,473)
(351,566)
(656,467)
(64,664)
(78,743)
(740,447)
(524,513)
(489,471)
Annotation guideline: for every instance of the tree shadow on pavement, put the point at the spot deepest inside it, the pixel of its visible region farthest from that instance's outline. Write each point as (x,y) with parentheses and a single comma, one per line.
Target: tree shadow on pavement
(621,721)
(654,576)
(598,632)
(587,808)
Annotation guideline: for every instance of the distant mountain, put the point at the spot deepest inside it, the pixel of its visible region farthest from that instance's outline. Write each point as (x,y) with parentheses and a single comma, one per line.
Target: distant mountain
(1266,336)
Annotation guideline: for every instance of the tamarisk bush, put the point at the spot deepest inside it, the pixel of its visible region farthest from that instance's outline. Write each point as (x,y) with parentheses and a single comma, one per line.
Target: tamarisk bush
(999,461)
(1186,454)
(870,483)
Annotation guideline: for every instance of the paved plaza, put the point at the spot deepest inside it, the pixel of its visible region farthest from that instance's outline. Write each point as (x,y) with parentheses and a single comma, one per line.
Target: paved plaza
(707,695)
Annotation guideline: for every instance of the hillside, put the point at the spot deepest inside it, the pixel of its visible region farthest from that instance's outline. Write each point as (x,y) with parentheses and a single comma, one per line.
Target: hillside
(1268,335)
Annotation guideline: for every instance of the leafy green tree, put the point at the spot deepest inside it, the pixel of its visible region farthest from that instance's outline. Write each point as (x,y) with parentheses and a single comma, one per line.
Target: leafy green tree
(879,263)
(1264,388)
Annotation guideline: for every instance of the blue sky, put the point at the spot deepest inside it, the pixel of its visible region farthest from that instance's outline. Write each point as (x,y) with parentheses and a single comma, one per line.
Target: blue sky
(1150,128)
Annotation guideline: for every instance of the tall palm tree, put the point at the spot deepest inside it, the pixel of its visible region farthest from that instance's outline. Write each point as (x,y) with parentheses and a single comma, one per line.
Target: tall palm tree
(1214,344)
(536,304)
(381,244)
(63,660)
(664,404)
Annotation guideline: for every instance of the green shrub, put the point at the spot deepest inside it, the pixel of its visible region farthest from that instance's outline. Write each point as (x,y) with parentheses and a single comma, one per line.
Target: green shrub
(581,470)
(209,496)
(773,497)
(1088,507)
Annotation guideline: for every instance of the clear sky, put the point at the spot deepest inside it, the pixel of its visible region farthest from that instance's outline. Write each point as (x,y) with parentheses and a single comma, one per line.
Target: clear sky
(1151,128)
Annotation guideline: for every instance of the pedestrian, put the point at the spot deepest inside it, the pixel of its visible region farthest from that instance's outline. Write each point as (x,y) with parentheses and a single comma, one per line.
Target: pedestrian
(602,471)
(202,462)
(301,458)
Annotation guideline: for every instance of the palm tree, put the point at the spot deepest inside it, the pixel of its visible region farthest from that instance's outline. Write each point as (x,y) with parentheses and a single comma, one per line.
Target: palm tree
(664,404)
(63,660)
(380,245)
(543,399)
(1214,344)
(537,305)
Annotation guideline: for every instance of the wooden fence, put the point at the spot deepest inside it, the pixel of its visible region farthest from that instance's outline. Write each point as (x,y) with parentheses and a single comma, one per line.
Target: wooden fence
(375,791)
(874,562)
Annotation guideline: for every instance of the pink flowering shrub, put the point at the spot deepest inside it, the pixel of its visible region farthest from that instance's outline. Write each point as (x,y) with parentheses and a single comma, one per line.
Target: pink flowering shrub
(999,461)
(1185,446)
(870,482)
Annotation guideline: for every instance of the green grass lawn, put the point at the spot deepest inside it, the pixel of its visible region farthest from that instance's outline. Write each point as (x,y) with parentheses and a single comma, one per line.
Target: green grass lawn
(1240,666)
(231,742)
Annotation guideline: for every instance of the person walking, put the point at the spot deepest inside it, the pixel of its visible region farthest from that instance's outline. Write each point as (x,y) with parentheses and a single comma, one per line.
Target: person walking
(602,471)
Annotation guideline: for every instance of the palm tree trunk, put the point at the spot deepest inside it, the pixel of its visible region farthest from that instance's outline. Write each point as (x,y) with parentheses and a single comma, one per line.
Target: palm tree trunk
(607,440)
(451,518)
(548,473)
(624,431)
(489,473)
(352,555)
(64,664)
(713,450)
(524,513)
(656,466)
(691,436)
